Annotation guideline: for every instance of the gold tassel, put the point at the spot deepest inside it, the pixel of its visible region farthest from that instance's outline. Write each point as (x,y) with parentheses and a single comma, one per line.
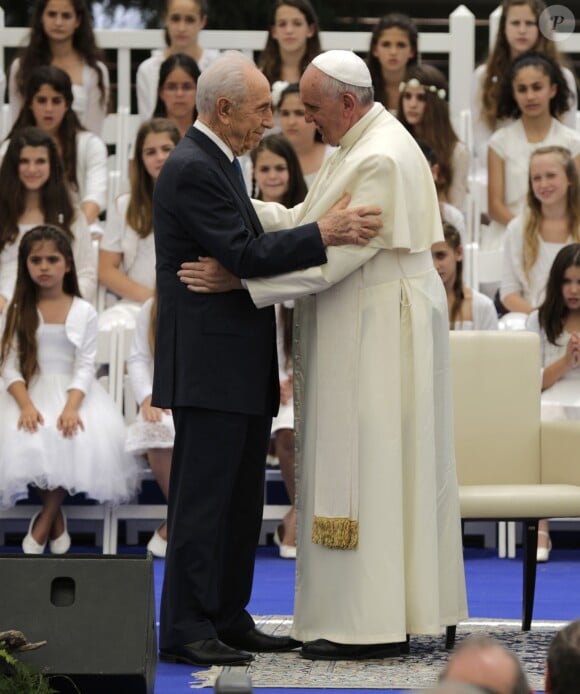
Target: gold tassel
(336,533)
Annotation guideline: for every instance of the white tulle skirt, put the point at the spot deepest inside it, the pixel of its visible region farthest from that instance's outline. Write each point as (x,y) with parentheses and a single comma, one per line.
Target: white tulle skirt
(142,435)
(93,462)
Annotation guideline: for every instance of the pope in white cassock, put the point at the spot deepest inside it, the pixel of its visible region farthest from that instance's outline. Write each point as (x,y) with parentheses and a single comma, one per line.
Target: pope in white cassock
(379,541)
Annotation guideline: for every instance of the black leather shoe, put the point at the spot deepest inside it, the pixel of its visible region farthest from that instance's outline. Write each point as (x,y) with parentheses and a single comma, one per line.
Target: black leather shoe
(207,652)
(258,642)
(321,649)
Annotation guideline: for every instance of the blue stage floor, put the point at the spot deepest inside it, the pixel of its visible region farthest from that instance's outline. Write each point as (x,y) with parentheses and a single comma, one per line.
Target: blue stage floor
(494,588)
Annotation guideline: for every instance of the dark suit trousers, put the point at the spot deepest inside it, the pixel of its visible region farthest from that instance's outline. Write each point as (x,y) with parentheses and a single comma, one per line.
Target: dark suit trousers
(216,497)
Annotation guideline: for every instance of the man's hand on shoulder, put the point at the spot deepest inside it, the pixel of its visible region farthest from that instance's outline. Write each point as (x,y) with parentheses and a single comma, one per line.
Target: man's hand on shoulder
(342,225)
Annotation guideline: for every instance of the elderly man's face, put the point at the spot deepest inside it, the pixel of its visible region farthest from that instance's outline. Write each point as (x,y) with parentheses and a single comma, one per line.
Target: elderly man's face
(322,110)
(251,117)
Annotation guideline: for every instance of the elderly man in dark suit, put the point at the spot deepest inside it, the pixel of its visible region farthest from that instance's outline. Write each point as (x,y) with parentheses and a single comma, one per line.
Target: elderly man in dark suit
(215,365)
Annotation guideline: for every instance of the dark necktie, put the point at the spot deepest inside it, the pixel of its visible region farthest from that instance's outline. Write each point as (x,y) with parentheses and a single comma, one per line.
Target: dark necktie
(238,169)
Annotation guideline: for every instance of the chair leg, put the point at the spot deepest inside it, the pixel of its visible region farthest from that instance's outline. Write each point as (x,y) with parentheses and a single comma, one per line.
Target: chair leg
(450,633)
(529,568)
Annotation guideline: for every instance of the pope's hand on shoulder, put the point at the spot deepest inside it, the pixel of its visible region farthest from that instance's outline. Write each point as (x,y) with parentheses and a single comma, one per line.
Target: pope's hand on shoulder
(342,225)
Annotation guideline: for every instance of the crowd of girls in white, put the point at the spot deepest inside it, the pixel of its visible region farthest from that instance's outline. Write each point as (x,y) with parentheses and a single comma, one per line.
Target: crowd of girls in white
(53,198)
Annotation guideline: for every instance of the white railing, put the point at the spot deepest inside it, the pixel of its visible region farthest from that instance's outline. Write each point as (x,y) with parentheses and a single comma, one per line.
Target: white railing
(458,44)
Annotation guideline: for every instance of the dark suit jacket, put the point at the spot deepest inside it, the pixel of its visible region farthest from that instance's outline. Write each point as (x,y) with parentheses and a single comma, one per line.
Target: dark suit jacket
(217,351)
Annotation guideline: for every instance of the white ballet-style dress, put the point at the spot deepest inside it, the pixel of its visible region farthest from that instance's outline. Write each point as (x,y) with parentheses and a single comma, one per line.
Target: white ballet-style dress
(142,435)
(93,461)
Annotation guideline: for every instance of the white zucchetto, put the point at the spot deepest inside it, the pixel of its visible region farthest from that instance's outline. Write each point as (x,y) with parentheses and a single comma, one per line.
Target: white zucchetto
(344,66)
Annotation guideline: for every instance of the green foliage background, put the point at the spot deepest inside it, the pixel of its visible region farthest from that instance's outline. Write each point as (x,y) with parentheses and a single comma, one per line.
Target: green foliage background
(224,14)
(254,14)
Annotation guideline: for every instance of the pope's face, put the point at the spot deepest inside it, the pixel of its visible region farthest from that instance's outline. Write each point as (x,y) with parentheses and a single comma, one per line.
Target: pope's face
(320,108)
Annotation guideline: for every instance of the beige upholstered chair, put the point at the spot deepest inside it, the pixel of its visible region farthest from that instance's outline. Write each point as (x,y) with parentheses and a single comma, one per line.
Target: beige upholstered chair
(510,466)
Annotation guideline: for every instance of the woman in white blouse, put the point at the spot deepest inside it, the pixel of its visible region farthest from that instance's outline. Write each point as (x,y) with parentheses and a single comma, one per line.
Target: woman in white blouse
(535,94)
(468,308)
(184,19)
(33,192)
(534,238)
(153,433)
(61,34)
(127,251)
(518,32)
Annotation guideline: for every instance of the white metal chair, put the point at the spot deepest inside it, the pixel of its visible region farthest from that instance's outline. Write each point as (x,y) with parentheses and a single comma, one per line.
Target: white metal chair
(5,121)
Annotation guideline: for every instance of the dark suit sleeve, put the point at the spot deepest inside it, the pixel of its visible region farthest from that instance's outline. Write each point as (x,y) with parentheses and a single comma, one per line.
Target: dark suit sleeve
(212,215)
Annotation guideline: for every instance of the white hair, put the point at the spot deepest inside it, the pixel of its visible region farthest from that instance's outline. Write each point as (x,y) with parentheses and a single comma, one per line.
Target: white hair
(224,77)
(334,88)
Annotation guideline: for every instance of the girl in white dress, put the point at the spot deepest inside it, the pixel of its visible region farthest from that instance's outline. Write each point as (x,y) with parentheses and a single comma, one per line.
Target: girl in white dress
(153,433)
(59,430)
(127,250)
(48,104)
(277,177)
(518,32)
(468,308)
(535,95)
(293,40)
(424,111)
(33,191)
(558,324)
(550,221)
(303,136)
(393,47)
(61,34)
(184,19)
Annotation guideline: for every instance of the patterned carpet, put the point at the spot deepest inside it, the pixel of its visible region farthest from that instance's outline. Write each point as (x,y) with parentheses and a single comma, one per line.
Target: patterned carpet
(417,670)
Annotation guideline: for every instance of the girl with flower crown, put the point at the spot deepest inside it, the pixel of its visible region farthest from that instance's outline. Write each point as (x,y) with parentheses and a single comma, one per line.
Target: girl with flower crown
(424,111)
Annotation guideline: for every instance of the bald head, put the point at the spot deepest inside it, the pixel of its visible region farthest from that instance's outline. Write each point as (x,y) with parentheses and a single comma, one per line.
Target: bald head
(486,663)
